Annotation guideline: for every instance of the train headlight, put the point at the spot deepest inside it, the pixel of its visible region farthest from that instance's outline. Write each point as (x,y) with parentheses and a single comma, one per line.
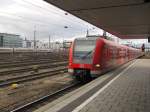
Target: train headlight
(70,70)
(97,65)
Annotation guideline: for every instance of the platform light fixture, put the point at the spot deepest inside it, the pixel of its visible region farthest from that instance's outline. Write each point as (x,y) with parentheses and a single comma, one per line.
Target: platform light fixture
(65,26)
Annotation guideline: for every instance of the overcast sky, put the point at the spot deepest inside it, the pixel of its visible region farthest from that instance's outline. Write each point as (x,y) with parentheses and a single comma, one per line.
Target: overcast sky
(24,16)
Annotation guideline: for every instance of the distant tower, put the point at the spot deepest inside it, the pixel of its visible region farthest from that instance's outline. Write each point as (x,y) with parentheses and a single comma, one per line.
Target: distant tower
(49,42)
(34,33)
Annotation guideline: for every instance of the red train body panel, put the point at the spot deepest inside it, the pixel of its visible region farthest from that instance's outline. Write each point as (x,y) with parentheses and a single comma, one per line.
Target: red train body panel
(90,57)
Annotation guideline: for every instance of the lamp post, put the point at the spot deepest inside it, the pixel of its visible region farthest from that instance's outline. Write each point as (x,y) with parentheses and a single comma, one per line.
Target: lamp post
(87,32)
(34,36)
(49,42)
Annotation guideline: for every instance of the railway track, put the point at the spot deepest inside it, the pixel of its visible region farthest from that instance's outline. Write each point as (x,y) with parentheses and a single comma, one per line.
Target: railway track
(26,63)
(29,107)
(11,59)
(30,68)
(33,76)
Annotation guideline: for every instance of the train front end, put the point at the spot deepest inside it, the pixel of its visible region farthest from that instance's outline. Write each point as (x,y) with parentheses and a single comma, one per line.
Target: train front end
(81,59)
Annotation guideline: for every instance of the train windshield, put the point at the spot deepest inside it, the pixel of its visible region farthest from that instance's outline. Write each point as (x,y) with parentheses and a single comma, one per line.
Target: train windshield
(83,51)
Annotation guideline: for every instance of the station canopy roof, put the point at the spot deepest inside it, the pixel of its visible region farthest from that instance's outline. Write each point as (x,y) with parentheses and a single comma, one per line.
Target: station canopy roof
(124,18)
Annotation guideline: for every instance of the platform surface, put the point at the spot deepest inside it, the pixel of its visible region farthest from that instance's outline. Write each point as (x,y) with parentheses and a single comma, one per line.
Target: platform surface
(129,91)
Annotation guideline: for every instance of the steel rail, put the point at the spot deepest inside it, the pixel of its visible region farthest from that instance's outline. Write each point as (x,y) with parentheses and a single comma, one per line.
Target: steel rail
(34,76)
(30,68)
(45,98)
(26,63)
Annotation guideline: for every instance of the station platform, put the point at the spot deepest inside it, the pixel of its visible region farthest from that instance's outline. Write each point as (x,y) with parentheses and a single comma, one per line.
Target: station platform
(126,89)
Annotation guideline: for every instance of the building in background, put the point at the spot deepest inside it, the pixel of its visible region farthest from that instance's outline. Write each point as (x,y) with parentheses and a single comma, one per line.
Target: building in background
(39,44)
(57,45)
(27,43)
(10,40)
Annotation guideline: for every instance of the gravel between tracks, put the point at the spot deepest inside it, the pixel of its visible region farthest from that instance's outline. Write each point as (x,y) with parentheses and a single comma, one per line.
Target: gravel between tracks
(29,91)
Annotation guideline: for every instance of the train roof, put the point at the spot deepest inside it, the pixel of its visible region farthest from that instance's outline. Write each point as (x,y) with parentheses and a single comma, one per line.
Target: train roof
(93,37)
(117,45)
(105,41)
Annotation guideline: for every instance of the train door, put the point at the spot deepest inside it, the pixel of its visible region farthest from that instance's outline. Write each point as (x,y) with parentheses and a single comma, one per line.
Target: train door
(107,60)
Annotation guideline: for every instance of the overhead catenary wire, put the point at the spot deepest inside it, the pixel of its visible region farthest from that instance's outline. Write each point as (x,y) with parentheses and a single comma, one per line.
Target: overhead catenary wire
(37,22)
(71,20)
(23,20)
(47,24)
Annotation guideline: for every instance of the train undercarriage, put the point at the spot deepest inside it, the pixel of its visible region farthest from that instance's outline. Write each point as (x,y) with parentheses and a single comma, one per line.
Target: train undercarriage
(82,75)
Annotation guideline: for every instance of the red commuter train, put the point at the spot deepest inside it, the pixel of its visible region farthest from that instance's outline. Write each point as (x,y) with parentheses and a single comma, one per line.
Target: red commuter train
(89,57)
